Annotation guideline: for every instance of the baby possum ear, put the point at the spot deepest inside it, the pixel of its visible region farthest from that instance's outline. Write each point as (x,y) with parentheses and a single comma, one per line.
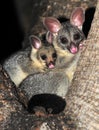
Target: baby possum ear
(52,24)
(35,41)
(78,17)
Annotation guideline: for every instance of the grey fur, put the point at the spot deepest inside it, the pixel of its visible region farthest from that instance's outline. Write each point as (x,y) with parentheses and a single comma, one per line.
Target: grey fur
(28,61)
(45,83)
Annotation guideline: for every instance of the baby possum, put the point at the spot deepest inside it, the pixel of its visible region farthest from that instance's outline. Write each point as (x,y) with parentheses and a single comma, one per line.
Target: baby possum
(39,57)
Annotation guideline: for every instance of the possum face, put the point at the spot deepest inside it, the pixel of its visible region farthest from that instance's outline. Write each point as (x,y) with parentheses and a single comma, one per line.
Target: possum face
(70,38)
(42,53)
(47,55)
(67,35)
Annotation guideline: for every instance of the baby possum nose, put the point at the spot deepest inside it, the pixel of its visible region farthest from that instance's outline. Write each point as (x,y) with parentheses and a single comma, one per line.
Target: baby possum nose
(50,63)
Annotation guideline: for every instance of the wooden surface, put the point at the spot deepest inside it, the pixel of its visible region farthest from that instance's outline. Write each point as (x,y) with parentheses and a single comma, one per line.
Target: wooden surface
(83,97)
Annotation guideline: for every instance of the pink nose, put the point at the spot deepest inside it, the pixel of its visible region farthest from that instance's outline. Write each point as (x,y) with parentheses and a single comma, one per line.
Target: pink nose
(51,66)
(73,49)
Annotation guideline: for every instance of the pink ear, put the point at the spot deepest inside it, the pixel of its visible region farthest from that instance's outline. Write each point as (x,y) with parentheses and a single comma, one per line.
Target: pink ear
(52,24)
(78,17)
(35,41)
(49,37)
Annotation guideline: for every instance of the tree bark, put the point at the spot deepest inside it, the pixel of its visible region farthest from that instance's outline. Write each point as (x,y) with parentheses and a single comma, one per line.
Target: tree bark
(83,96)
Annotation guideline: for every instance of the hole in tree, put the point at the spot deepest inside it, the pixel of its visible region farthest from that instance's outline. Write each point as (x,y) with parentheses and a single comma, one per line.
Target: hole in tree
(89,14)
(51,103)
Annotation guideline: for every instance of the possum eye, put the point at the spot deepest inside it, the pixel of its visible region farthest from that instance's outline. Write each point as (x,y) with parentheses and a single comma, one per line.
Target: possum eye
(76,36)
(43,57)
(54,55)
(63,40)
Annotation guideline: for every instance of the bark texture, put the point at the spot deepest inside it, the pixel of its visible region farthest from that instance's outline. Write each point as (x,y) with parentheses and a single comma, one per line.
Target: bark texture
(83,96)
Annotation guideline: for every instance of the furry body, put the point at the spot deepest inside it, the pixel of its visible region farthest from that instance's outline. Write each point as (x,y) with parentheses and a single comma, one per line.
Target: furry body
(29,61)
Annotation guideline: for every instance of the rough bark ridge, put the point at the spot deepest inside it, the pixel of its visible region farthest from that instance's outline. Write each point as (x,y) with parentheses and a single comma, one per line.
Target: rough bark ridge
(83,96)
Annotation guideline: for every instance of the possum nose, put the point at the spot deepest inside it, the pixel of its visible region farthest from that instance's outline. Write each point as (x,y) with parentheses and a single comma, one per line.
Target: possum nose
(73,48)
(51,65)
(50,59)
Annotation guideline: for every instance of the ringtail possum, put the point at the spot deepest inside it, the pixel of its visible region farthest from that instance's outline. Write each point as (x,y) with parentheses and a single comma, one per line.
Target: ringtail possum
(39,57)
(67,39)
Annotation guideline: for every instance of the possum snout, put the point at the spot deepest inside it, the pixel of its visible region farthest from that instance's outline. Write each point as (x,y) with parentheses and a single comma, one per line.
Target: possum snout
(51,65)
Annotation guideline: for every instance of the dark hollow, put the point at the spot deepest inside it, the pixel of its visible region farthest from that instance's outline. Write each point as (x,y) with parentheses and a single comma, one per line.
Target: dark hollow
(89,14)
(47,101)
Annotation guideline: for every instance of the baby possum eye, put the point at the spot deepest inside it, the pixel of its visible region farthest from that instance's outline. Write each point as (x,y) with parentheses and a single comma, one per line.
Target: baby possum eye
(76,36)
(43,57)
(63,40)
(54,55)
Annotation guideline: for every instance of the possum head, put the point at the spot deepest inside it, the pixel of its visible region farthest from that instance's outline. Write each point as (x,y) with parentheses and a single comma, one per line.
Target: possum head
(43,52)
(67,35)
(47,54)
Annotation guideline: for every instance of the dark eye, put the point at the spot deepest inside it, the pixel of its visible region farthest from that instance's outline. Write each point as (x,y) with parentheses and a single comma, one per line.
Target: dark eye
(54,55)
(43,57)
(76,36)
(63,40)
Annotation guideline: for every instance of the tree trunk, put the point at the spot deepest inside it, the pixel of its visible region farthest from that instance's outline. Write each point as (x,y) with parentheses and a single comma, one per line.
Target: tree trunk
(83,96)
